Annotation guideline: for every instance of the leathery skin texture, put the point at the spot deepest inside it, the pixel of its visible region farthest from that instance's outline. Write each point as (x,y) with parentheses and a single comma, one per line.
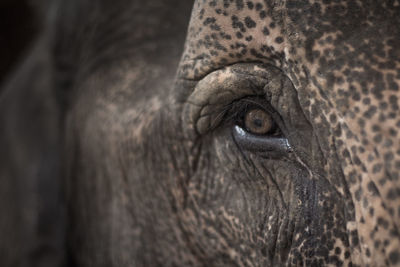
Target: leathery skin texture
(160,166)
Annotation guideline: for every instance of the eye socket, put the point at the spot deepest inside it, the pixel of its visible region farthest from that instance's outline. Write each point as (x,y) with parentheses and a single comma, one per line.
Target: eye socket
(258,121)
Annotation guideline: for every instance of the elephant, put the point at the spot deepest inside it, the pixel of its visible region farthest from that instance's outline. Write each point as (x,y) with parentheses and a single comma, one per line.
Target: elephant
(205,133)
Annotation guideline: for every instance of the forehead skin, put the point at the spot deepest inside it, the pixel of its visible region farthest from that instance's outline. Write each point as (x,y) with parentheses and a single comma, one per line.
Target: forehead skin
(343,58)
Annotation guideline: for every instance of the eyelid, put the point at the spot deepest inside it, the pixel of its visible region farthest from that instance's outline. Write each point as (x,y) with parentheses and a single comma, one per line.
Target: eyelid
(258,143)
(205,106)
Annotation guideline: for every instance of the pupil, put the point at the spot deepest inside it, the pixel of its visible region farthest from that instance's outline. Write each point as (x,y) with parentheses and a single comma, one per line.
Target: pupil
(258,123)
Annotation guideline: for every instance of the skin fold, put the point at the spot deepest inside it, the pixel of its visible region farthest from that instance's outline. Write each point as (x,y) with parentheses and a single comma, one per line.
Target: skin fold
(140,106)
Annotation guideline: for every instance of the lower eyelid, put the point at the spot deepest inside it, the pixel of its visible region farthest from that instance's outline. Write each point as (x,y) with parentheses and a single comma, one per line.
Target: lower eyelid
(260,143)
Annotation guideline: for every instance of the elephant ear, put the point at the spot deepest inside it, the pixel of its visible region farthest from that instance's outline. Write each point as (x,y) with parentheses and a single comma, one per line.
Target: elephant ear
(30,204)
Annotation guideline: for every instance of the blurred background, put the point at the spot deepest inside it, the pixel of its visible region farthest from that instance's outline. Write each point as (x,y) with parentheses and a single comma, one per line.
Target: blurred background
(20,23)
(25,241)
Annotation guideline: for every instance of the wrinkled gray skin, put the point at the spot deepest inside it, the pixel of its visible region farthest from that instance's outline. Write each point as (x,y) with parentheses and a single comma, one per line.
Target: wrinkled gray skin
(118,136)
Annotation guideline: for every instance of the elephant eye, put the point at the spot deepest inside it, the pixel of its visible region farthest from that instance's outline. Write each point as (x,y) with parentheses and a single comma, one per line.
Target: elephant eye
(256,130)
(258,121)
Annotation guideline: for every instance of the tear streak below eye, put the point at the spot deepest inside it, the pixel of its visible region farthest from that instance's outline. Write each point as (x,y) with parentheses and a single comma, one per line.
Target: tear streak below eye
(259,143)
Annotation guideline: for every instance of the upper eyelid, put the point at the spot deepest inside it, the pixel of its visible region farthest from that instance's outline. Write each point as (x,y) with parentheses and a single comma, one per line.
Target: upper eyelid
(213,95)
(204,106)
(259,102)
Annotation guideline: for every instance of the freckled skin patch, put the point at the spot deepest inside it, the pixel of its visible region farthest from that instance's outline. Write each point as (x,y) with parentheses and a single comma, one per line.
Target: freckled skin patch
(345,57)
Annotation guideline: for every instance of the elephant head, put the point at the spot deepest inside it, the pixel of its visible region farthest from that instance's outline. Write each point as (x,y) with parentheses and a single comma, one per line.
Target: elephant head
(268,137)
(327,73)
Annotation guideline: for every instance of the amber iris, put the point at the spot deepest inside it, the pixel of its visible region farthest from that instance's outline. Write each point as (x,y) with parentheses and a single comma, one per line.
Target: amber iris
(258,121)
